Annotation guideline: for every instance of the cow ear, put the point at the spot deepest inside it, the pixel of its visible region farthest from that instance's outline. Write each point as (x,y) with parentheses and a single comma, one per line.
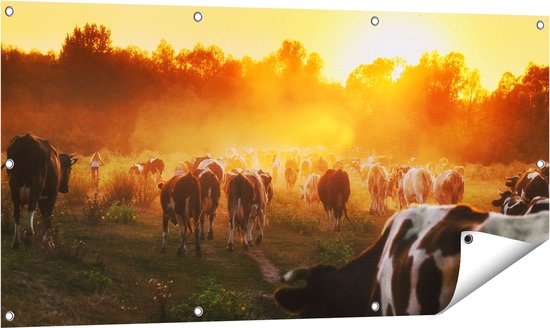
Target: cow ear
(291,299)
(73,161)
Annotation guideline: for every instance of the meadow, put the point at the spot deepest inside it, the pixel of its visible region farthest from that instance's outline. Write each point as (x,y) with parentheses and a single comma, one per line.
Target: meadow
(107,267)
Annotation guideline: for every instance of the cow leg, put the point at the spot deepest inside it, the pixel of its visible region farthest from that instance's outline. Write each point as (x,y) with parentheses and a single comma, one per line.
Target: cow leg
(232,214)
(198,252)
(183,231)
(46,209)
(249,230)
(260,236)
(164,233)
(244,228)
(202,215)
(17,224)
(210,230)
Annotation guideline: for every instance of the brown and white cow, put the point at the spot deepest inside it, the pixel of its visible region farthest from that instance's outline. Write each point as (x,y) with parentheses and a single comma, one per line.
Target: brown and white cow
(214,165)
(240,199)
(334,191)
(180,198)
(268,184)
(417,184)
(210,197)
(258,210)
(309,192)
(291,176)
(155,166)
(378,185)
(411,269)
(448,187)
(136,169)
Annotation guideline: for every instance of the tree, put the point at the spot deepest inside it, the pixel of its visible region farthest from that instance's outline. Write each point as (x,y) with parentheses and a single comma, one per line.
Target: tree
(90,41)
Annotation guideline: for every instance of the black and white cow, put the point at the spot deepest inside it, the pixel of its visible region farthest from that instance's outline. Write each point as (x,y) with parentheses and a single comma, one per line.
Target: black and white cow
(39,173)
(412,268)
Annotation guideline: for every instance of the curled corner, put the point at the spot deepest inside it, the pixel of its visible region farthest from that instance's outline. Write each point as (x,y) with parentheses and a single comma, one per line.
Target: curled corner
(485,257)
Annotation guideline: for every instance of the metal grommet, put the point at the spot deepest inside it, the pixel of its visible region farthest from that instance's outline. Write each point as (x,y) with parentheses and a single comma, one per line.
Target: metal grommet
(9,164)
(468,239)
(198,311)
(197,16)
(374,20)
(375,306)
(540,25)
(540,163)
(9,11)
(10,316)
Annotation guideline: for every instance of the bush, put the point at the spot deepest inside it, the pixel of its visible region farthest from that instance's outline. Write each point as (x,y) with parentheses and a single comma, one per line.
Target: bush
(94,209)
(334,251)
(218,303)
(146,191)
(120,188)
(120,213)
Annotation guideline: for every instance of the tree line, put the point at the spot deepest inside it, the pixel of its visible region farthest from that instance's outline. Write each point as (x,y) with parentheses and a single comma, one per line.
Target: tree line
(93,95)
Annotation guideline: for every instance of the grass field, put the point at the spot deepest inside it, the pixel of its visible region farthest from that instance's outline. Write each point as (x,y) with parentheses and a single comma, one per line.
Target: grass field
(106,271)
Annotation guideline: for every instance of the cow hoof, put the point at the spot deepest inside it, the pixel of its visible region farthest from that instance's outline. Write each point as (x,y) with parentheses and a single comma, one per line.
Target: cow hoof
(258,240)
(15,245)
(198,254)
(210,235)
(163,250)
(202,237)
(246,248)
(230,247)
(181,252)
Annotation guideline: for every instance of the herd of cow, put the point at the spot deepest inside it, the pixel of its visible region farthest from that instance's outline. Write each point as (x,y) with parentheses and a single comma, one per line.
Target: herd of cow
(410,269)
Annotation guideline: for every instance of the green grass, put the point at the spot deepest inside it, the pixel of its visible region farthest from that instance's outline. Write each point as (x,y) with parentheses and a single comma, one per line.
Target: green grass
(110,283)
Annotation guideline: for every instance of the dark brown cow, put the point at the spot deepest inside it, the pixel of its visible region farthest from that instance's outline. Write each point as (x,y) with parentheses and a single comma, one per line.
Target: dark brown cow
(38,174)
(524,187)
(180,198)
(334,192)
(412,268)
(210,196)
(240,198)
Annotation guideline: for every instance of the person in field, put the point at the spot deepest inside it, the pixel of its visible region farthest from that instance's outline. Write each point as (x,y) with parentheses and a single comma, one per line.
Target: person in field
(95,162)
(275,167)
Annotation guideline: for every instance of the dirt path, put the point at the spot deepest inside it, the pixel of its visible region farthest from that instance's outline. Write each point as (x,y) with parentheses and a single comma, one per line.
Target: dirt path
(269,271)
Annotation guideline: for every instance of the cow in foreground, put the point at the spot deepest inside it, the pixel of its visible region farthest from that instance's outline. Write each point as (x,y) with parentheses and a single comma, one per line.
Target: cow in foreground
(180,198)
(39,173)
(411,269)
(334,192)
(448,187)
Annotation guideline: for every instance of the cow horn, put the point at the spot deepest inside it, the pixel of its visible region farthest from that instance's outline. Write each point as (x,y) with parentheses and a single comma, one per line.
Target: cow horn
(72,155)
(296,274)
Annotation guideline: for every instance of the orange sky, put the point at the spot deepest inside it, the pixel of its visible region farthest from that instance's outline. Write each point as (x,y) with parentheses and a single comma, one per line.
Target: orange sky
(343,39)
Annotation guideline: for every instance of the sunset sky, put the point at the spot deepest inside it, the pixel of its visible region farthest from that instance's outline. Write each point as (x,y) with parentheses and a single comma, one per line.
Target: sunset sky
(343,39)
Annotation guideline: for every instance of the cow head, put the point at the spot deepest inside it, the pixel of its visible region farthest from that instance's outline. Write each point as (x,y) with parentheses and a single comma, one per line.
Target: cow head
(309,300)
(66,161)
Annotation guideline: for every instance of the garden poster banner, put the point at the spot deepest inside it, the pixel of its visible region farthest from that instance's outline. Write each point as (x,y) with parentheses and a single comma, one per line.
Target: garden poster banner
(176,164)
